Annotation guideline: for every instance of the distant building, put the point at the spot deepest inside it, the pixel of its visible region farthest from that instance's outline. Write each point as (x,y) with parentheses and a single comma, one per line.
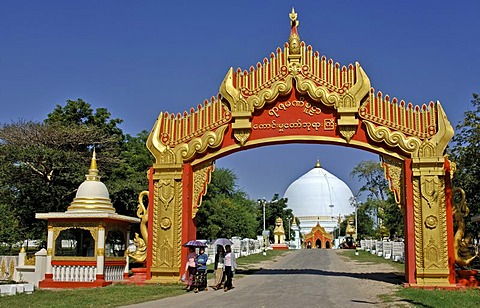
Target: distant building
(319,197)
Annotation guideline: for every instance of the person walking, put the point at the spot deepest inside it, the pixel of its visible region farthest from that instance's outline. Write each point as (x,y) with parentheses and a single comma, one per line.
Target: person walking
(201,274)
(191,268)
(230,266)
(219,267)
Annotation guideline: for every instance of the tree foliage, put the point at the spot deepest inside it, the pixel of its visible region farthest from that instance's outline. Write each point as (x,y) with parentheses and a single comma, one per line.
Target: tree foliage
(225,210)
(42,164)
(465,152)
(380,203)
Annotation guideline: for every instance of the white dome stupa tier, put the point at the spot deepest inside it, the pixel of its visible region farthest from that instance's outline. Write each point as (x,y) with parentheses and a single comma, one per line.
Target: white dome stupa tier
(92,195)
(319,197)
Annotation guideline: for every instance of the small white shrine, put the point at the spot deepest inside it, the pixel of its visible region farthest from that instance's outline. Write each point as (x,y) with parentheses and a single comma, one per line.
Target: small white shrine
(86,245)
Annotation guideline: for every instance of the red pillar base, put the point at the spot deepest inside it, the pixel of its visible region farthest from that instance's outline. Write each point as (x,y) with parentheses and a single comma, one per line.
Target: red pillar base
(467,278)
(139,275)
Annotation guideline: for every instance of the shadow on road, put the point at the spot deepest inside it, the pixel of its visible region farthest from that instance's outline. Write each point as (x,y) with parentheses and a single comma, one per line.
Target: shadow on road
(392,278)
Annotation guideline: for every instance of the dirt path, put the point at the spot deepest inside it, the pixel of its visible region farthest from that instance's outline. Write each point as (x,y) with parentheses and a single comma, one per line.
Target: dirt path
(303,278)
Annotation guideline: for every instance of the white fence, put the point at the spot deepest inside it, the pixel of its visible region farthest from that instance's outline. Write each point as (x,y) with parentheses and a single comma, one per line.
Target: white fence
(387,249)
(114,273)
(241,248)
(74,273)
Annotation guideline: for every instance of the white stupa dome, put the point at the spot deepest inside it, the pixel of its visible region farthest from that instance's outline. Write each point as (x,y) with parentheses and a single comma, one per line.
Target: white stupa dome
(319,197)
(89,189)
(92,195)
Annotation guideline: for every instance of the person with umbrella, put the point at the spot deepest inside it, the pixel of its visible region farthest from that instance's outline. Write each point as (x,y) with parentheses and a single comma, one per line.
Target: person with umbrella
(201,274)
(191,267)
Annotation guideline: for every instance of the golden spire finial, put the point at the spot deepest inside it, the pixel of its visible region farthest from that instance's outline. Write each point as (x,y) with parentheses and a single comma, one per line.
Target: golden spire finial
(318,164)
(293,18)
(93,171)
(294,39)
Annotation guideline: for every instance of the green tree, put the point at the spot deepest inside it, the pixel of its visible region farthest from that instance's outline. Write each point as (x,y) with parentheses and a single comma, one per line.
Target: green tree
(130,176)
(465,152)
(364,221)
(380,202)
(393,218)
(42,164)
(225,210)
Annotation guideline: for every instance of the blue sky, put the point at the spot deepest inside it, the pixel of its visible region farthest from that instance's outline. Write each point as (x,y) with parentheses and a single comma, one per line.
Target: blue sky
(138,58)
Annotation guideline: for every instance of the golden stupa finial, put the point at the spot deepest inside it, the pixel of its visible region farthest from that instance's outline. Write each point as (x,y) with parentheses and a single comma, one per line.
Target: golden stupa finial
(293,18)
(93,171)
(294,39)
(318,164)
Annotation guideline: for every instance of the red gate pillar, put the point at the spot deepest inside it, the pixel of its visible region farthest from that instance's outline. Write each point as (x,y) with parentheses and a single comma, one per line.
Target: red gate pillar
(189,229)
(409,225)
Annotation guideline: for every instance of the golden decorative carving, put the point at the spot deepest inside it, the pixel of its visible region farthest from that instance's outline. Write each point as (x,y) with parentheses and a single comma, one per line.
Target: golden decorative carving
(201,178)
(165,223)
(100,252)
(242,135)
(393,139)
(200,145)
(142,213)
(60,226)
(49,252)
(294,39)
(417,212)
(429,188)
(432,254)
(178,232)
(348,131)
(30,260)
(462,244)
(165,193)
(393,169)
(140,253)
(155,222)
(166,259)
(411,120)
(431,222)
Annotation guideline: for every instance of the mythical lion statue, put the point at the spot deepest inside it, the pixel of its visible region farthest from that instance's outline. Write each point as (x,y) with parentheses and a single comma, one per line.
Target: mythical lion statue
(279,231)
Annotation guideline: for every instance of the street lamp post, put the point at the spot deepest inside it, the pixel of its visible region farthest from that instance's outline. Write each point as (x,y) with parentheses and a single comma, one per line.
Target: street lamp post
(356,222)
(264,232)
(264,202)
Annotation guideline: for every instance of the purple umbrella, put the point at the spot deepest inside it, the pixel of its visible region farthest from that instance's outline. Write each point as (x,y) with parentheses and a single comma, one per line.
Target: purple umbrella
(194,243)
(223,241)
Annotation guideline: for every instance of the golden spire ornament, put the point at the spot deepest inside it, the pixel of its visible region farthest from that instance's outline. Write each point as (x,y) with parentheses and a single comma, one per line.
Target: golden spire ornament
(294,39)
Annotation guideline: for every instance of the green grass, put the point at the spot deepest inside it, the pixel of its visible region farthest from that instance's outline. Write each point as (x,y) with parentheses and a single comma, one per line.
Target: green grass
(367,257)
(120,294)
(255,259)
(463,298)
(440,298)
(110,296)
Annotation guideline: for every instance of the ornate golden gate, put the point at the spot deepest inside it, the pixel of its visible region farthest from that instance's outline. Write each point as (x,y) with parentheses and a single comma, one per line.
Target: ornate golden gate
(298,96)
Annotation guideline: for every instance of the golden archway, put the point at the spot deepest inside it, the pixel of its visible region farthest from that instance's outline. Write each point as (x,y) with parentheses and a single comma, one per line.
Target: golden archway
(298,96)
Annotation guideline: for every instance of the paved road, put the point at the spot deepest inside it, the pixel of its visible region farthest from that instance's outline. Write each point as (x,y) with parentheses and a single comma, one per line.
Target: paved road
(303,278)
